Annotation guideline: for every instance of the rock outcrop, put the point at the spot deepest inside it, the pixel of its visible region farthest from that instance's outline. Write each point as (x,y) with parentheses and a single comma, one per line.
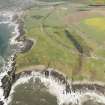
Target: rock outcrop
(9,78)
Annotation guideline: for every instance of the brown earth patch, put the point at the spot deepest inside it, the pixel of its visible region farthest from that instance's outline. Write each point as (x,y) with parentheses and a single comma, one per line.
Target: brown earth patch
(76,17)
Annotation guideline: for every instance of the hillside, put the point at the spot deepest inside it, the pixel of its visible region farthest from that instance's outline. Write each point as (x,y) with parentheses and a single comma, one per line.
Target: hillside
(68,37)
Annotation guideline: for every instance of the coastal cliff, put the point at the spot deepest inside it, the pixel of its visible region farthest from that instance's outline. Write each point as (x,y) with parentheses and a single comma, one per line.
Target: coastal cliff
(21,44)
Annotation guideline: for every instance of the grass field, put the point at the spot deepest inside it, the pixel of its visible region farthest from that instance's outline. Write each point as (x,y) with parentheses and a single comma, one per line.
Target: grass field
(73,46)
(52,47)
(97,23)
(97,2)
(94,29)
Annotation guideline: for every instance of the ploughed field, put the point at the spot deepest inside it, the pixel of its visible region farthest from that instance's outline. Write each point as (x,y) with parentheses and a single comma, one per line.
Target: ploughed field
(67,37)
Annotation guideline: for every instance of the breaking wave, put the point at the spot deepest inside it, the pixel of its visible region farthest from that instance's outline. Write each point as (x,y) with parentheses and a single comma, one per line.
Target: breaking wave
(58,88)
(56,83)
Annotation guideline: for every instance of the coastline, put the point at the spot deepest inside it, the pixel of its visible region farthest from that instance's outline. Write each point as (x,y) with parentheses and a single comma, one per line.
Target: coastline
(7,75)
(58,86)
(65,89)
(64,80)
(19,41)
(7,65)
(75,82)
(71,87)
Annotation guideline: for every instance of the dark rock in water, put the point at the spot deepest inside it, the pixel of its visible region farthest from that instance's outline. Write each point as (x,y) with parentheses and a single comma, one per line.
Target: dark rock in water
(7,83)
(21,28)
(27,44)
(46,73)
(100,88)
(22,32)
(33,92)
(90,102)
(8,79)
(58,76)
(91,87)
(15,17)
(68,104)
(1,103)
(20,22)
(12,74)
(68,90)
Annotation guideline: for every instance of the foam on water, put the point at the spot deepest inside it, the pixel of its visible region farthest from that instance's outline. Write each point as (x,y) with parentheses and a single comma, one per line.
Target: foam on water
(59,90)
(55,87)
(7,66)
(17,34)
(9,15)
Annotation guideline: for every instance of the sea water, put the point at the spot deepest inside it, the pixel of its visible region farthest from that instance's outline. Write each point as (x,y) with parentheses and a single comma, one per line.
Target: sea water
(5,34)
(37,89)
(32,93)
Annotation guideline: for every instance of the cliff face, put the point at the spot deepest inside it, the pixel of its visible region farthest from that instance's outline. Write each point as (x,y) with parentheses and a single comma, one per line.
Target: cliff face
(8,78)
(21,44)
(7,82)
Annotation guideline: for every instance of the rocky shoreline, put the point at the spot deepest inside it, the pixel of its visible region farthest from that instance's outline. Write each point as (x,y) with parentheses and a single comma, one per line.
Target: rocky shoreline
(10,79)
(70,86)
(22,44)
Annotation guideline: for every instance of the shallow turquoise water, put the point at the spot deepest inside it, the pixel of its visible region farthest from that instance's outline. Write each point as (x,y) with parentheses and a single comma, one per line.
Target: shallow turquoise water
(29,93)
(4,39)
(5,35)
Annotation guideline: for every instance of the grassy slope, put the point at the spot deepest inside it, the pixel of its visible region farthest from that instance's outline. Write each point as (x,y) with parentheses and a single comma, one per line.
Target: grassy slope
(96,2)
(53,47)
(95,65)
